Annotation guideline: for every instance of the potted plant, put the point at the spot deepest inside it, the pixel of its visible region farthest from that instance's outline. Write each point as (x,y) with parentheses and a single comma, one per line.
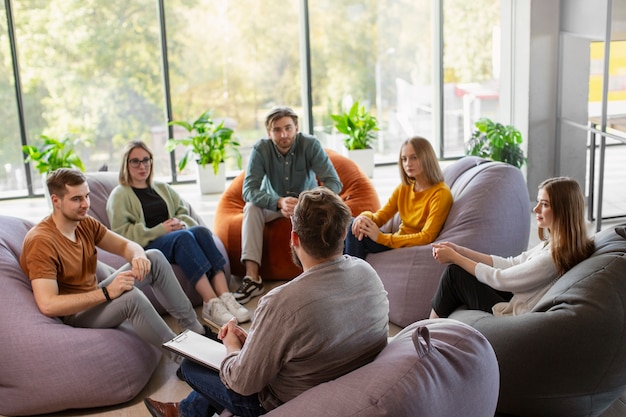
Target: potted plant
(210,143)
(497,142)
(53,154)
(359,127)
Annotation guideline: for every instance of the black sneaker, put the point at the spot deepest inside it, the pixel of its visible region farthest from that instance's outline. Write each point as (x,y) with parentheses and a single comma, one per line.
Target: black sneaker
(249,288)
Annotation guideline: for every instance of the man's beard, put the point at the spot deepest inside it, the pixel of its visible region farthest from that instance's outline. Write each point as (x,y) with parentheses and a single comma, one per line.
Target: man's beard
(294,257)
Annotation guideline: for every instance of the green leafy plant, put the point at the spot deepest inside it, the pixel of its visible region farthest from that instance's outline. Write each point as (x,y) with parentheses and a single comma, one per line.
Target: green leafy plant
(211,144)
(54,153)
(358,125)
(497,142)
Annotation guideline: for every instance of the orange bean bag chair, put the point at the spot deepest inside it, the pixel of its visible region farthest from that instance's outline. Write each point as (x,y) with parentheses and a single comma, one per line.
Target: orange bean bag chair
(358,192)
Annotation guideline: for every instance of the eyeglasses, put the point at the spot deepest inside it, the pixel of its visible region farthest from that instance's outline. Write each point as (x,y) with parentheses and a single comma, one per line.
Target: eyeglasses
(135,162)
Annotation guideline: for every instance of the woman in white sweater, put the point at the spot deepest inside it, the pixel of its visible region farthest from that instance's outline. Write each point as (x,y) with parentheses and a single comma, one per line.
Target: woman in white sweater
(512,286)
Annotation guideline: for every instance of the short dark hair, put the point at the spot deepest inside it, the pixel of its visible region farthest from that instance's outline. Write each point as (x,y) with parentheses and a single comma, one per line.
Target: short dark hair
(278,113)
(320,220)
(59,178)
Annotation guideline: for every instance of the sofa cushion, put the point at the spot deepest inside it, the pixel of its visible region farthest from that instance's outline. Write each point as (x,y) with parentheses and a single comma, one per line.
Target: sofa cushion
(434,368)
(48,366)
(568,355)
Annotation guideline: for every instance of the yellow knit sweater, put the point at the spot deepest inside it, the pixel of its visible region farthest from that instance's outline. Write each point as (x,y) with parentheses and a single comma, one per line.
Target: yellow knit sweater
(422,215)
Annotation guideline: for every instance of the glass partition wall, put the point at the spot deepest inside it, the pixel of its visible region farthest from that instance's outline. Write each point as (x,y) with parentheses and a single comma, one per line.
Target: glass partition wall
(594,56)
(109,71)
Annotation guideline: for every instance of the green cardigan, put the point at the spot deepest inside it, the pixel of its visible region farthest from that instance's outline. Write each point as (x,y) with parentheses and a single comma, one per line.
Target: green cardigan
(126,214)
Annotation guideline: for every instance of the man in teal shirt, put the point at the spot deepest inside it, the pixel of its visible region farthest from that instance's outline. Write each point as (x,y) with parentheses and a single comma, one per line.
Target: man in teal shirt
(280,168)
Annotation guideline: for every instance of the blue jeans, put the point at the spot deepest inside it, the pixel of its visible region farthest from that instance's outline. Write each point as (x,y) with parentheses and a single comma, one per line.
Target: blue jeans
(210,395)
(193,250)
(360,248)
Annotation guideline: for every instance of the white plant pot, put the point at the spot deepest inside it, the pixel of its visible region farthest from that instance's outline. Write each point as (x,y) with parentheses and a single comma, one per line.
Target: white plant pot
(364,158)
(209,182)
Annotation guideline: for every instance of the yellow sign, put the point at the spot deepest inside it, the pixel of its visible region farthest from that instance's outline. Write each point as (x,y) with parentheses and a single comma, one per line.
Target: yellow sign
(617,71)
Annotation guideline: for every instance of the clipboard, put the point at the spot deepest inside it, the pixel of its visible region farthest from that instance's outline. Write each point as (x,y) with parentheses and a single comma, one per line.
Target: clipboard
(198,348)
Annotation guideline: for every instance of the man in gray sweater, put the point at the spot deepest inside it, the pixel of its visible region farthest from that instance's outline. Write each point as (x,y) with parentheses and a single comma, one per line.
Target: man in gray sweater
(328,321)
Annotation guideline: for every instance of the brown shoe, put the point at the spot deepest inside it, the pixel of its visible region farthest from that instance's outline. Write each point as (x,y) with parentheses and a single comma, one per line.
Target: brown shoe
(158,409)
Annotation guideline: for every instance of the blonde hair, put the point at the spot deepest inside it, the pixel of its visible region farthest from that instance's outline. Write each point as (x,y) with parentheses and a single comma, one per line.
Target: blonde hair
(568,231)
(427,158)
(124,176)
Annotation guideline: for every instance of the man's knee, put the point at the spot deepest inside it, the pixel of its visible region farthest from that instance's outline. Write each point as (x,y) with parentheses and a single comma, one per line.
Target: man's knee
(155,256)
(135,299)
(159,265)
(250,210)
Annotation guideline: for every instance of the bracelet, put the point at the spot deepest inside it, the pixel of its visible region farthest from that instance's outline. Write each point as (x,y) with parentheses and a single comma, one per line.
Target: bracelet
(106,293)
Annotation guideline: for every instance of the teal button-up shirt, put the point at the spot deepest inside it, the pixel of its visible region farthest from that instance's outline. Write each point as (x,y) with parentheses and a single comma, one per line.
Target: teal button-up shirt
(271,175)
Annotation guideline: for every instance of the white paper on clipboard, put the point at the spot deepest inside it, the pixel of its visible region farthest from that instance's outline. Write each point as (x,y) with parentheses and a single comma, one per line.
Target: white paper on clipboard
(198,348)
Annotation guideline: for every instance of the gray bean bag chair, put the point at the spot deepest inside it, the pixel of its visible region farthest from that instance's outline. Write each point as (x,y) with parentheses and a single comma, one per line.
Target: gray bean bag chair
(47,366)
(432,368)
(567,357)
(490,214)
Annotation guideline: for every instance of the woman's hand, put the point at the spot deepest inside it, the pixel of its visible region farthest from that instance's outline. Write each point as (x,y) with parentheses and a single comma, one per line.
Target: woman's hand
(364,226)
(445,252)
(173,224)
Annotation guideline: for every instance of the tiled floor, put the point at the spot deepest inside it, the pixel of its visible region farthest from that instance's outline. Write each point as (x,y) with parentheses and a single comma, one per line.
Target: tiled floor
(164,386)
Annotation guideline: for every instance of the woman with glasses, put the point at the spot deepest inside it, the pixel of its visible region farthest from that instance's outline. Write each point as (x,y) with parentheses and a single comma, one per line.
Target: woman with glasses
(152,214)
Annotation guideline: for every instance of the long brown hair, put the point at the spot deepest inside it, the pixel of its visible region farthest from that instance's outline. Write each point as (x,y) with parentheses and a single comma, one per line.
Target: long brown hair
(124,177)
(427,158)
(568,231)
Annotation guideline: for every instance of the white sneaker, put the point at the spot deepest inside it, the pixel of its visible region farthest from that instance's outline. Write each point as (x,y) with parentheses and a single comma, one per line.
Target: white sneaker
(216,313)
(240,312)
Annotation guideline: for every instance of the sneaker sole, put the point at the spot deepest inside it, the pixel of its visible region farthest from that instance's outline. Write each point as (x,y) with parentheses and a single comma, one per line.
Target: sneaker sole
(244,319)
(245,299)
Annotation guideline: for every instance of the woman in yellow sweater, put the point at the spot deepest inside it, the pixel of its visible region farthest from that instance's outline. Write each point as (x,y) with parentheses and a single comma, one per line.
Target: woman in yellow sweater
(423,201)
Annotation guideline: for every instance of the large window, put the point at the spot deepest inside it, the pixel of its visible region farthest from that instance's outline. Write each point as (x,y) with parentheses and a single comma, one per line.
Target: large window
(95,70)
(470,68)
(377,53)
(235,58)
(610,175)
(12,177)
(90,70)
